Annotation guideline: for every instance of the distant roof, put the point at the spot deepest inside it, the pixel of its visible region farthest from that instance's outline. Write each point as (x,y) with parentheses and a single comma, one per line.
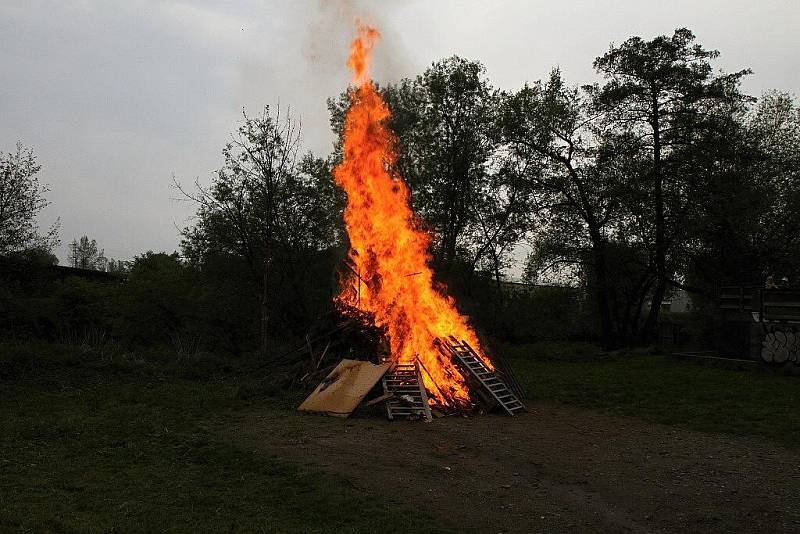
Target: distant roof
(24,270)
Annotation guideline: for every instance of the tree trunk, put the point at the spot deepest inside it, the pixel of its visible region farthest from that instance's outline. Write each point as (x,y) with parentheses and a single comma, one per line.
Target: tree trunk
(661,254)
(638,313)
(264,334)
(496,265)
(649,330)
(602,290)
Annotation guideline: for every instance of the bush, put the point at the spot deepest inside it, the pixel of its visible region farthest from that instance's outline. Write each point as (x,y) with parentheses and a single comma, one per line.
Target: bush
(531,313)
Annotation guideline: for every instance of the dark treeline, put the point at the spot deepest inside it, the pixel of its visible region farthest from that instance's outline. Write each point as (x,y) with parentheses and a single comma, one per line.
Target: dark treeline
(664,175)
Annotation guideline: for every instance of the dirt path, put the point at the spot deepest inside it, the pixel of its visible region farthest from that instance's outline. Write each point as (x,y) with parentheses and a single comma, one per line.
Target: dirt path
(552,470)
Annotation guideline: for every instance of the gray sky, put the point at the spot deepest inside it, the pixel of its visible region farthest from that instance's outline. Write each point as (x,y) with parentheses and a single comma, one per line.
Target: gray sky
(116,96)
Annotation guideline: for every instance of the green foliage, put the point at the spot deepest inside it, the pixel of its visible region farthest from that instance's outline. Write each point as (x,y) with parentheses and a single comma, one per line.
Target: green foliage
(660,102)
(749,224)
(620,170)
(36,255)
(662,175)
(158,300)
(547,313)
(446,150)
(451,155)
(575,189)
(520,313)
(264,200)
(25,317)
(22,198)
(81,309)
(84,254)
(274,221)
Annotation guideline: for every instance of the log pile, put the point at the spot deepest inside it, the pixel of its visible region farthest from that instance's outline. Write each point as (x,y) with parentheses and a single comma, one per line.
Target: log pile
(780,346)
(345,333)
(346,338)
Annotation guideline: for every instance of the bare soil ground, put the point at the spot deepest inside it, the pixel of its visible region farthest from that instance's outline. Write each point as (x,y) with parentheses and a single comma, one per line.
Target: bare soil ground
(555,469)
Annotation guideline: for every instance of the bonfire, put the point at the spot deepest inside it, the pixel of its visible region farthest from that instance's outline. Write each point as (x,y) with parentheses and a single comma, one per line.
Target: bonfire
(435,359)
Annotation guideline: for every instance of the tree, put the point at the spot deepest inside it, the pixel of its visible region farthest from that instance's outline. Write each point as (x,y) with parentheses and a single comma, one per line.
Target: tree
(267,206)
(84,254)
(119,267)
(36,255)
(774,128)
(747,225)
(659,97)
(549,129)
(22,198)
(503,216)
(159,302)
(447,149)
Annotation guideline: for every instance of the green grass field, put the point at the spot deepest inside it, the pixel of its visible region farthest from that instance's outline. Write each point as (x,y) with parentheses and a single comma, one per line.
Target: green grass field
(91,444)
(747,400)
(95,440)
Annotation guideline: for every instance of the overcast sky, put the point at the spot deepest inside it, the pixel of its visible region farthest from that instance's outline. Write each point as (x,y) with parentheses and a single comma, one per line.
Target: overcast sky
(117,96)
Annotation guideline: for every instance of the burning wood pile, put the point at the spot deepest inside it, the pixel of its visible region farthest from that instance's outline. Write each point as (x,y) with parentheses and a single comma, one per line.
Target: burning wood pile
(428,359)
(368,375)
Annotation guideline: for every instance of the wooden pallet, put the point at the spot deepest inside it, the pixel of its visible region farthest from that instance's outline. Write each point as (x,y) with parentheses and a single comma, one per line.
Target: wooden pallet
(472,364)
(406,393)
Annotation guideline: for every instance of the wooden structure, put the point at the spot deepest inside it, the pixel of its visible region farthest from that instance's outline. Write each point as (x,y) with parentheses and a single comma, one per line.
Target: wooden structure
(767,304)
(491,382)
(340,393)
(405,394)
(764,323)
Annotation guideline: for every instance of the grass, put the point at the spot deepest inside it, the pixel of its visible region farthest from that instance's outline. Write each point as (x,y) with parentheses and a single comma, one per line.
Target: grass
(718,397)
(96,439)
(95,442)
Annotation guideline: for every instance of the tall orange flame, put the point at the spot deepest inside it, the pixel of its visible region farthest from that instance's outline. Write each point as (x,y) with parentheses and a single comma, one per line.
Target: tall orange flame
(388,247)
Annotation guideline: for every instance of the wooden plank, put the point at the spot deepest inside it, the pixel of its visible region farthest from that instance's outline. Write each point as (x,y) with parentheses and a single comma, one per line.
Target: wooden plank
(376,400)
(344,388)
(426,407)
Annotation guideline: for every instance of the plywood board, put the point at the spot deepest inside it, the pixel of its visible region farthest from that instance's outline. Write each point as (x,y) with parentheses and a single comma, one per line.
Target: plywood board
(344,388)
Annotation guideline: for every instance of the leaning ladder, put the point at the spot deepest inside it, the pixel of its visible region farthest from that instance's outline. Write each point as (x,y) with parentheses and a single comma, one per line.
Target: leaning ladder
(408,398)
(468,359)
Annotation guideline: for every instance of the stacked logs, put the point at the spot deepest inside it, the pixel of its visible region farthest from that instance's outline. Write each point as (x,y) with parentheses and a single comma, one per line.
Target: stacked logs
(780,346)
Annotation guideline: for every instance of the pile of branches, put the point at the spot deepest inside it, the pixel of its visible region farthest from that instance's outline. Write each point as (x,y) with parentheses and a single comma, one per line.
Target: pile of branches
(344,333)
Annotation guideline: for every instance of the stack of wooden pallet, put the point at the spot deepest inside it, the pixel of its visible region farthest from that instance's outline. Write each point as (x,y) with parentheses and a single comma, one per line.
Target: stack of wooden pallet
(404,395)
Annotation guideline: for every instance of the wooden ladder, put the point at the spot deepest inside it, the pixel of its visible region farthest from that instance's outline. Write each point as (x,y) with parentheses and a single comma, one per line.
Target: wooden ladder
(408,398)
(464,355)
